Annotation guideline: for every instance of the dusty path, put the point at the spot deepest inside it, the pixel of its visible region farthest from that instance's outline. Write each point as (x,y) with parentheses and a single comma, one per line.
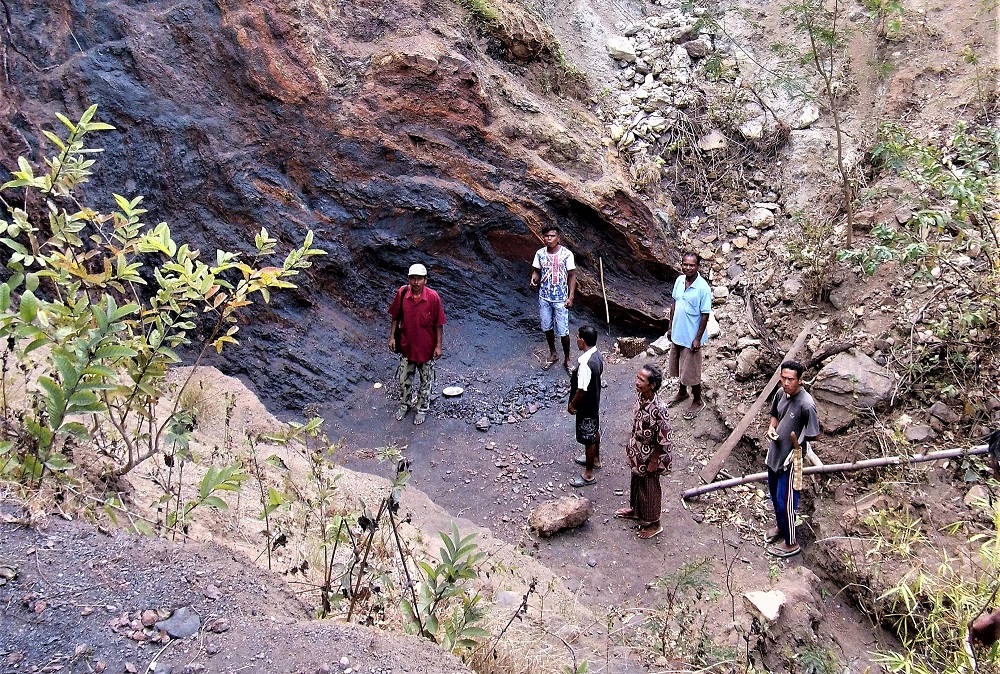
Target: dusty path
(496,478)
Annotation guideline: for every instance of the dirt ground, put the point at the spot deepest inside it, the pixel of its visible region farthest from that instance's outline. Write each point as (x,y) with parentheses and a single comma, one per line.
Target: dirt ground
(495,478)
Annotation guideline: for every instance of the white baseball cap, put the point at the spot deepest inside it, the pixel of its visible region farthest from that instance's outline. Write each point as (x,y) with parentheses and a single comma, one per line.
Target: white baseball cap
(417,270)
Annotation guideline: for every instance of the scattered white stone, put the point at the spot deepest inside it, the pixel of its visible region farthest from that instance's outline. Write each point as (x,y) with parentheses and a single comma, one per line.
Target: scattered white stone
(765,605)
(762,218)
(753,129)
(808,116)
(621,48)
(714,140)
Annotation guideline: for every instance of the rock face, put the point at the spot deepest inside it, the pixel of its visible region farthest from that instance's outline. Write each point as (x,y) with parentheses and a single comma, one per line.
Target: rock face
(848,384)
(386,131)
(564,513)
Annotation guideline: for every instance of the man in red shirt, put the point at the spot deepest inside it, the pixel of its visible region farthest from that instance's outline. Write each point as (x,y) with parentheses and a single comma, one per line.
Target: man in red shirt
(417,328)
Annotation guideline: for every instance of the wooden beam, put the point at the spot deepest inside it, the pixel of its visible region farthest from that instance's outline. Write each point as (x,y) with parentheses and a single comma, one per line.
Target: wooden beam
(840,468)
(715,463)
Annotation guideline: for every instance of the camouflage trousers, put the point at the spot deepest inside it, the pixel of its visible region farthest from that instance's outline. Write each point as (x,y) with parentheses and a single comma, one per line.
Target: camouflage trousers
(404,375)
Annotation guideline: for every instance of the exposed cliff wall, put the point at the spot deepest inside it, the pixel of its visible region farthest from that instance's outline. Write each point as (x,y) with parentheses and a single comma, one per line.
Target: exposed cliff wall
(398,131)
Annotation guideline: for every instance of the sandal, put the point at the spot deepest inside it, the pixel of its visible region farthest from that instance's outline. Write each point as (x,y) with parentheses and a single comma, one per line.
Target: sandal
(401,412)
(781,552)
(581,481)
(646,535)
(691,415)
(626,514)
(419,419)
(547,365)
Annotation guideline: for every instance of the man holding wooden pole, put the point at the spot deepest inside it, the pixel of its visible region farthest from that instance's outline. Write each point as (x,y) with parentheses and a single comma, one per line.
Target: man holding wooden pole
(793,420)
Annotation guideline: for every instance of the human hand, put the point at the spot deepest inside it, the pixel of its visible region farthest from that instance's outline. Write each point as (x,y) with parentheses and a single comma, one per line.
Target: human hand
(772,433)
(437,352)
(392,344)
(696,345)
(533,284)
(571,409)
(569,302)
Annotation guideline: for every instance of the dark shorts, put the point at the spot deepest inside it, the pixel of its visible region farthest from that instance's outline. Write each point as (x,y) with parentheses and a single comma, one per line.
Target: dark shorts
(587,429)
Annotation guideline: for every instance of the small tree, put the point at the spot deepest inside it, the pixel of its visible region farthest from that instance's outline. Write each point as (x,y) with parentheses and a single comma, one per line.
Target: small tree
(824,28)
(97,305)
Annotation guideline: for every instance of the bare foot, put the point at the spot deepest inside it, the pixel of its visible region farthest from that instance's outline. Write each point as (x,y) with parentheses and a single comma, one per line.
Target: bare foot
(678,400)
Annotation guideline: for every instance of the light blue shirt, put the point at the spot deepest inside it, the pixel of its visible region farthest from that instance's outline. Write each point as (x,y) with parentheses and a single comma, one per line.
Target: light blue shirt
(689,305)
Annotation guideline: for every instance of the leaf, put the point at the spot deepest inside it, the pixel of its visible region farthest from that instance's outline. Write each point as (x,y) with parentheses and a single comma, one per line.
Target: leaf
(58,463)
(216,502)
(29,307)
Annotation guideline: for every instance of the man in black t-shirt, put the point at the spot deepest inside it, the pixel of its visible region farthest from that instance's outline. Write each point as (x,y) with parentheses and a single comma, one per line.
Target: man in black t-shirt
(585,404)
(793,410)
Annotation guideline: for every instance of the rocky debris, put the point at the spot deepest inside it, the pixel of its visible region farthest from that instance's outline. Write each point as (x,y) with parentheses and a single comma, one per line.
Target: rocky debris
(563,513)
(978,497)
(746,363)
(808,116)
(483,424)
(944,414)
(659,347)
(766,605)
(181,624)
(919,433)
(847,385)
(621,49)
(714,140)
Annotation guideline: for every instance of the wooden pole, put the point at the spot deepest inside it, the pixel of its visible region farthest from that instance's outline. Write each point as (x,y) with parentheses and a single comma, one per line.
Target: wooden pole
(709,472)
(607,312)
(840,468)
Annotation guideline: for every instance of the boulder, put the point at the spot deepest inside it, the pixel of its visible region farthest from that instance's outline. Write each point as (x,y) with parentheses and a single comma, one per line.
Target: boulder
(746,363)
(848,384)
(942,412)
(621,48)
(791,288)
(919,433)
(563,513)
(697,49)
(660,346)
(765,605)
(714,140)
(809,115)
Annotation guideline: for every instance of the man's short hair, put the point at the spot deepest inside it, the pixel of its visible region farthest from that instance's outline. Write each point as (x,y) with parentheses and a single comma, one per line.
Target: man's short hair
(655,376)
(550,228)
(691,253)
(588,333)
(794,365)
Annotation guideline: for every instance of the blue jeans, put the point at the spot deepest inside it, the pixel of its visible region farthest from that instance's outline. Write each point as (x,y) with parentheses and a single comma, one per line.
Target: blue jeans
(555,316)
(785,501)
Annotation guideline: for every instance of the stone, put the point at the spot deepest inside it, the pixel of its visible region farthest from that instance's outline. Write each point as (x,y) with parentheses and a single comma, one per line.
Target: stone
(762,218)
(181,624)
(563,513)
(420,62)
(714,140)
(765,605)
(977,497)
(919,433)
(483,424)
(740,242)
(791,288)
(903,215)
(808,116)
(621,48)
(697,49)
(720,292)
(941,411)
(660,346)
(753,129)
(847,385)
(746,363)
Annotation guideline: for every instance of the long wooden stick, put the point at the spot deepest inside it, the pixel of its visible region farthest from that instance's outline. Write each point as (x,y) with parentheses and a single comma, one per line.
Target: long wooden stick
(709,472)
(607,312)
(840,468)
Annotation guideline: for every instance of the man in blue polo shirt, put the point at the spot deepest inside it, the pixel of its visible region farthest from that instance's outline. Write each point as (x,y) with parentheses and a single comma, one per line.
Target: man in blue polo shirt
(687,332)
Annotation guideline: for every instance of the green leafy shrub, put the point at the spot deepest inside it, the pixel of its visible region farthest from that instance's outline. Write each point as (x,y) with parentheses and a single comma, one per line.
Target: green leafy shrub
(95,307)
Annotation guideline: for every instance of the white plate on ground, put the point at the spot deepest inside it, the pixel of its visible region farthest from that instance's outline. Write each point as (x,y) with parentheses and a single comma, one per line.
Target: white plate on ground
(452,391)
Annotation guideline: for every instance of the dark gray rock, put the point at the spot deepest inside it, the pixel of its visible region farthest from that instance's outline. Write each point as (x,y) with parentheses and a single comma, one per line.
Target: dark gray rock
(847,385)
(183,623)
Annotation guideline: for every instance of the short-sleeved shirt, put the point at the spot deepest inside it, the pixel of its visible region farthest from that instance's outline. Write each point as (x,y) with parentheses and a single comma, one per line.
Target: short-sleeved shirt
(555,268)
(587,378)
(689,305)
(795,415)
(421,320)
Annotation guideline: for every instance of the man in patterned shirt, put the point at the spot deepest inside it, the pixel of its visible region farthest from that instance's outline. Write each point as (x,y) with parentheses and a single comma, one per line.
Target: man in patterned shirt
(554,274)
(648,453)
